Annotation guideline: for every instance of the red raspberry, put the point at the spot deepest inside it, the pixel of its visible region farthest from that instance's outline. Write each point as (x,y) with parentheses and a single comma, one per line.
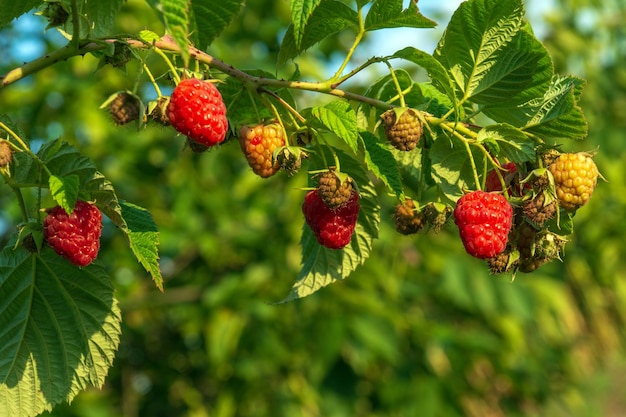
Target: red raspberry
(197,111)
(258,143)
(492,182)
(76,237)
(484,220)
(333,229)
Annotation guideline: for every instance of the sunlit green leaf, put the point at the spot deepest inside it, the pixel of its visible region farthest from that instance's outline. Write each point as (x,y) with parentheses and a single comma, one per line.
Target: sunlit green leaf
(329,18)
(143,237)
(510,142)
(381,162)
(340,118)
(452,168)
(300,12)
(60,332)
(209,18)
(389,14)
(64,190)
(176,14)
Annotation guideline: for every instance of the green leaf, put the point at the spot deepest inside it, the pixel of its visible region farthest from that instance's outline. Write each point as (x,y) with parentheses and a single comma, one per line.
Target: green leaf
(143,236)
(340,118)
(436,72)
(102,15)
(64,190)
(211,17)
(558,115)
(245,107)
(329,18)
(148,36)
(301,10)
(176,14)
(381,162)
(12,9)
(452,170)
(389,14)
(60,330)
(509,142)
(488,55)
(322,266)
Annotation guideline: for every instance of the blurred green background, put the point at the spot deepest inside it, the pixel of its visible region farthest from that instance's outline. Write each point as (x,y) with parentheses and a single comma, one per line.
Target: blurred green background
(421,329)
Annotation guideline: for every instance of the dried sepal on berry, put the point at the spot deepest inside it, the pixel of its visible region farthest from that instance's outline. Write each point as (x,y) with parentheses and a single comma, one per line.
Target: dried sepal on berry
(125,107)
(437,215)
(506,261)
(540,209)
(335,188)
(403,128)
(407,218)
(157,111)
(289,158)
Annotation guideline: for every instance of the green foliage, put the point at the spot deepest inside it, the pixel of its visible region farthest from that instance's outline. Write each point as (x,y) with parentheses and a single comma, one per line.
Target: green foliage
(64,332)
(417,331)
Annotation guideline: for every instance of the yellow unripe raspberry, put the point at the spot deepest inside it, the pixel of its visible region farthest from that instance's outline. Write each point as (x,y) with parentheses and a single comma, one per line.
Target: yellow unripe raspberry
(575,178)
(258,143)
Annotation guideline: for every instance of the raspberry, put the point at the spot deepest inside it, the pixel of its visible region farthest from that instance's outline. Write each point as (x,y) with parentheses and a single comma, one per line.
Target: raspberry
(546,246)
(125,108)
(539,210)
(157,111)
(508,171)
(436,215)
(407,219)
(403,128)
(484,221)
(258,143)
(575,177)
(505,261)
(332,229)
(289,159)
(5,153)
(335,189)
(75,237)
(197,111)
